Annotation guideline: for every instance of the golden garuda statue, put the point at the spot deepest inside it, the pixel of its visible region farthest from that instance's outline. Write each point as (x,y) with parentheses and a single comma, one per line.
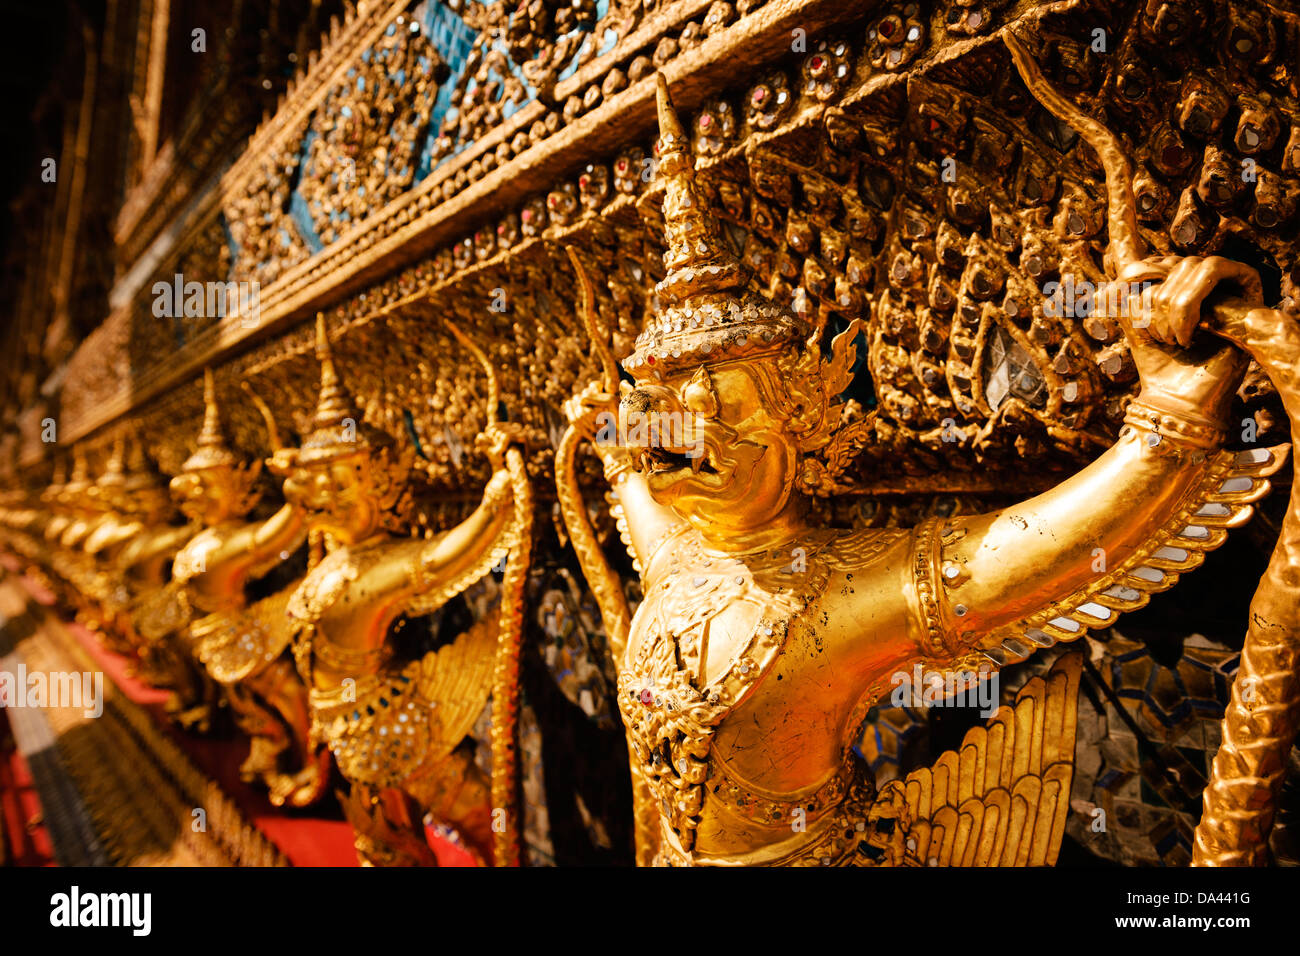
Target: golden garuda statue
(398,728)
(133,546)
(241,645)
(119,522)
(113,525)
(80,511)
(115,551)
(56,499)
(764,638)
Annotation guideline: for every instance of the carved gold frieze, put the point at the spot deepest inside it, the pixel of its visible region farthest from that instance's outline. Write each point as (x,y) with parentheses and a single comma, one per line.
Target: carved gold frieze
(888,259)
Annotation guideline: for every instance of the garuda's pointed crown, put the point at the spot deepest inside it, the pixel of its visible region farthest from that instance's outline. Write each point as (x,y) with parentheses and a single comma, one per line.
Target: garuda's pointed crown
(336,428)
(212,450)
(706,307)
(140,472)
(57,481)
(114,475)
(79,480)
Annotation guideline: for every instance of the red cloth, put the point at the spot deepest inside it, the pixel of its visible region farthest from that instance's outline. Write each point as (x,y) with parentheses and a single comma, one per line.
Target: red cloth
(304,836)
(18,805)
(307,837)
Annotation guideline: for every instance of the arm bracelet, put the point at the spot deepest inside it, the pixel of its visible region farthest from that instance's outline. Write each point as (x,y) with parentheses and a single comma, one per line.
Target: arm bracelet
(1163,427)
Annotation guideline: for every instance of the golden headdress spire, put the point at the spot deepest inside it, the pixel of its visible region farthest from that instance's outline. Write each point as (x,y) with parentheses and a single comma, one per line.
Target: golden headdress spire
(212,451)
(706,306)
(140,472)
(115,467)
(79,480)
(336,428)
(698,260)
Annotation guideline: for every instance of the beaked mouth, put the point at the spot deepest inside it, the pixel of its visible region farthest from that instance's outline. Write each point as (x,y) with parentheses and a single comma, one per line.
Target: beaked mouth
(664,467)
(315,511)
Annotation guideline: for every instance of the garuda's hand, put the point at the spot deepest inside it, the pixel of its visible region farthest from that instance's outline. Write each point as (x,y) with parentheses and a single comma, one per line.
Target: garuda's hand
(1177,287)
(592,397)
(496,438)
(1189,375)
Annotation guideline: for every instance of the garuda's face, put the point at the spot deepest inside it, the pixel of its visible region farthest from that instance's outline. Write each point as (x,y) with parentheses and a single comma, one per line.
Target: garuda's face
(712,446)
(209,495)
(338,494)
(149,501)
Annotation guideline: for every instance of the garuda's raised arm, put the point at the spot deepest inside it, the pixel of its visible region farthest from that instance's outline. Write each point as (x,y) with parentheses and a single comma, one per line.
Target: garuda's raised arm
(1146,509)
(454,560)
(762,638)
(1264,713)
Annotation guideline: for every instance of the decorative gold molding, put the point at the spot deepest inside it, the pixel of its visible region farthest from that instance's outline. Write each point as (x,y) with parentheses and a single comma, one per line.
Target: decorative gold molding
(416,223)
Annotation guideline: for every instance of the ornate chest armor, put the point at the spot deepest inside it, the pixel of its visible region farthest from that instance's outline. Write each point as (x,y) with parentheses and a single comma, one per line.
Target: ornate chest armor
(672,716)
(391,722)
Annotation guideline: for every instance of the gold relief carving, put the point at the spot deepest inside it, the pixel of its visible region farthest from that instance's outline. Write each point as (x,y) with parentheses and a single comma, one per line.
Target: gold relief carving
(857,281)
(346,475)
(263,231)
(367,132)
(733,491)
(208,259)
(256,186)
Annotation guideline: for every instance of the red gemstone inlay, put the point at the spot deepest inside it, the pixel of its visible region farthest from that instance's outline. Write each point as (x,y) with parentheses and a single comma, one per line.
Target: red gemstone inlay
(887,28)
(583,180)
(526,215)
(706,121)
(760,94)
(817,63)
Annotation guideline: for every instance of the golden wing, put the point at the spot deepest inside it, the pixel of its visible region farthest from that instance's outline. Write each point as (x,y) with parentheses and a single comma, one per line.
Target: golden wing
(164,611)
(456,681)
(1223,498)
(236,644)
(1002,799)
